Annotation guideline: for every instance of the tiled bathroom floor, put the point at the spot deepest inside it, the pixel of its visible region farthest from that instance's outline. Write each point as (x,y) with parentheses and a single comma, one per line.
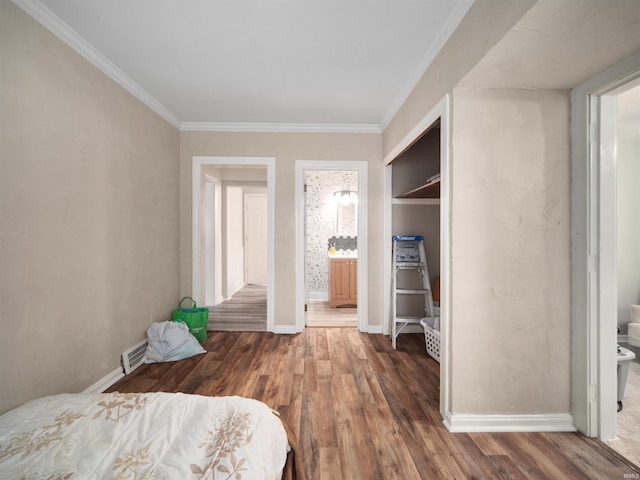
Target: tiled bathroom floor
(628,425)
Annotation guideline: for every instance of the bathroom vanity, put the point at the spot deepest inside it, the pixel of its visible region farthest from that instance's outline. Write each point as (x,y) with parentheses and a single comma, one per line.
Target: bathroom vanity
(343,281)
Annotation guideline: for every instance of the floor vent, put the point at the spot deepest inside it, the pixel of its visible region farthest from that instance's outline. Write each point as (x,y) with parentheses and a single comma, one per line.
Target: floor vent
(133,357)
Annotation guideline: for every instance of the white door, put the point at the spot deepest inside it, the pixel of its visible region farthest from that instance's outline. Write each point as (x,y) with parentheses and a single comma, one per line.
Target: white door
(255,237)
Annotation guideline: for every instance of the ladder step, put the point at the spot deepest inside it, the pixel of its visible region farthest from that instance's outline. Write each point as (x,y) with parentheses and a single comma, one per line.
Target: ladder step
(409,255)
(408,319)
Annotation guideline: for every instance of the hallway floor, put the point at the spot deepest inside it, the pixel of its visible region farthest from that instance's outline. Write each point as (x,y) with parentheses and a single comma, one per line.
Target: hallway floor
(245,311)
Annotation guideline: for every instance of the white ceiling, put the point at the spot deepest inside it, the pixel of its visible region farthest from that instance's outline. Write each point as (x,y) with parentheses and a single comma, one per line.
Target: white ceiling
(220,62)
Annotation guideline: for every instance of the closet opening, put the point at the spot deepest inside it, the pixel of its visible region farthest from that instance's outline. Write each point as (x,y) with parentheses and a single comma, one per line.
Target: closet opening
(417,203)
(415,212)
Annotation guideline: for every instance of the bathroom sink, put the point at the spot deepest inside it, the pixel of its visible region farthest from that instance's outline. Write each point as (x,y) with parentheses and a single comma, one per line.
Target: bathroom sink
(344,254)
(625,354)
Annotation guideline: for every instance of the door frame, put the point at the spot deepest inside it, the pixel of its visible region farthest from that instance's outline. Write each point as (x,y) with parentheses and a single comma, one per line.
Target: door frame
(211,189)
(301,167)
(197,176)
(593,248)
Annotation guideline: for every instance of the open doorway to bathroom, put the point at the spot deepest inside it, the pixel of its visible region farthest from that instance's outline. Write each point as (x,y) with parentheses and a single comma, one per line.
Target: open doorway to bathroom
(605,169)
(331,247)
(342,205)
(627,167)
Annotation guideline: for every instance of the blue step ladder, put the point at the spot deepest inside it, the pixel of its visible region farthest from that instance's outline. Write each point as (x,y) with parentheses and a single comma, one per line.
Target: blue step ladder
(409,255)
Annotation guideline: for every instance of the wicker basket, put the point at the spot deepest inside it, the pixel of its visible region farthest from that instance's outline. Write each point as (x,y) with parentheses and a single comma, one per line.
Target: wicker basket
(432,340)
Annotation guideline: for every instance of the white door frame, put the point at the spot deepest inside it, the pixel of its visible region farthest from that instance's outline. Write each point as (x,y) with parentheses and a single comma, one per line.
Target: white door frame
(593,248)
(301,166)
(210,244)
(440,110)
(196,224)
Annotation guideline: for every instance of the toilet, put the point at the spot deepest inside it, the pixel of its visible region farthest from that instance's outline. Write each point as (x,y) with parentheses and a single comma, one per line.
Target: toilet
(624,360)
(634,326)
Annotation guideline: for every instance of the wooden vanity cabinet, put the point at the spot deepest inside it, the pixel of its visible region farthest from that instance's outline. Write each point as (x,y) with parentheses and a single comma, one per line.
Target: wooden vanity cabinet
(343,282)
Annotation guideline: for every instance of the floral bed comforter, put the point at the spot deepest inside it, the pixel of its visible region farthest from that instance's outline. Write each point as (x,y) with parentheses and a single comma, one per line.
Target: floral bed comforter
(127,436)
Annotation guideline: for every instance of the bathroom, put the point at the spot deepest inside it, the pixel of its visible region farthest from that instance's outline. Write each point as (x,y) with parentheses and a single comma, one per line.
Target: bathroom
(331,225)
(628,275)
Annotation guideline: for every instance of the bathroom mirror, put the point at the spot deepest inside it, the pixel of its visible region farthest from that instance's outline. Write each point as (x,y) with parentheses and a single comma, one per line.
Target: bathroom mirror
(347,218)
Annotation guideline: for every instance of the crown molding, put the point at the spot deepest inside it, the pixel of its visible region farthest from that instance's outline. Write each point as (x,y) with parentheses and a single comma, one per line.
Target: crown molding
(460,10)
(60,29)
(279,127)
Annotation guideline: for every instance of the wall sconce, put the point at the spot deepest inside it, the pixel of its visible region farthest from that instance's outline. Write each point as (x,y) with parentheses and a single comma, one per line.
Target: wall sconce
(345,196)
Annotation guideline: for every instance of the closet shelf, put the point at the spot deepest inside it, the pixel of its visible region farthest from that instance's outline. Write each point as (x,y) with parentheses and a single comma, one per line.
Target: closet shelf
(431,189)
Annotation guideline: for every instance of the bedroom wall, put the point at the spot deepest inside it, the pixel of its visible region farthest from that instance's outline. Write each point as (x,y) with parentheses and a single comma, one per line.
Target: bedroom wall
(89,212)
(486,22)
(287,148)
(511,262)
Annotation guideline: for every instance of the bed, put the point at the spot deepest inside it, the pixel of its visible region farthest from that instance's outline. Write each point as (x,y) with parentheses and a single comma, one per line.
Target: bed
(144,436)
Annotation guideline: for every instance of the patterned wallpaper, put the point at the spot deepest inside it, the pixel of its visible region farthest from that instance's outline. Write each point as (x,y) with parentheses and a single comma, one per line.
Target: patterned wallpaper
(321,212)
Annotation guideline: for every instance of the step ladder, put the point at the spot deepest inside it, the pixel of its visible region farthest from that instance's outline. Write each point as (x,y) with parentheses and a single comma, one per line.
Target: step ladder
(409,255)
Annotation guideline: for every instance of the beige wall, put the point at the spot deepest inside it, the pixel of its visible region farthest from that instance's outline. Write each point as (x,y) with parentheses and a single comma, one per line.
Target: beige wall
(511,268)
(89,215)
(287,148)
(483,26)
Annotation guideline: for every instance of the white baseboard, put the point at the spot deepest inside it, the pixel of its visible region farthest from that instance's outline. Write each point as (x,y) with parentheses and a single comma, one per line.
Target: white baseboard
(105,382)
(551,422)
(318,297)
(374,329)
(285,329)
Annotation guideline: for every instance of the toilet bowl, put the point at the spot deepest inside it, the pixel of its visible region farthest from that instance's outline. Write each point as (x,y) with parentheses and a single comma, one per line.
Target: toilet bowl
(624,360)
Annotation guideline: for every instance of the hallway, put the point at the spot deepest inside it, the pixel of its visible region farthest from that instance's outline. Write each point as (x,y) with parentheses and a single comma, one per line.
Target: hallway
(246,311)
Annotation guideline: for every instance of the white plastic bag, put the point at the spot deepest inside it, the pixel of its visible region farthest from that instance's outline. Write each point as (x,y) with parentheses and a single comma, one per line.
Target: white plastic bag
(170,341)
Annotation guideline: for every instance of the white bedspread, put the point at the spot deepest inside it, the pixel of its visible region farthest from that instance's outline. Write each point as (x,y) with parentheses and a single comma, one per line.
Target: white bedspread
(141,436)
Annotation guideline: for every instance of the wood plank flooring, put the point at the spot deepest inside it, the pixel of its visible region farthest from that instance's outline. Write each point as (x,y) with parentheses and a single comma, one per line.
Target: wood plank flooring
(245,311)
(362,410)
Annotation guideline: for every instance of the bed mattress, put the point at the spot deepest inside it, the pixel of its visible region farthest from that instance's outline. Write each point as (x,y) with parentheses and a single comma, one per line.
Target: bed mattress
(142,436)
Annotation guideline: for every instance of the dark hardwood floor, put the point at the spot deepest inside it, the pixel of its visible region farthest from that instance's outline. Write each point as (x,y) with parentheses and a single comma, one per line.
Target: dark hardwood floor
(364,411)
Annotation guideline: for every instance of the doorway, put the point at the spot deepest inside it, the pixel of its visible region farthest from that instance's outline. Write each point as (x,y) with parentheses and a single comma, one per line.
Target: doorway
(356,216)
(595,248)
(331,247)
(221,187)
(627,163)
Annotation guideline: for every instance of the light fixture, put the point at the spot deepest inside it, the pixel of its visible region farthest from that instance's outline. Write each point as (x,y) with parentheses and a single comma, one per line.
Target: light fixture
(346,196)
